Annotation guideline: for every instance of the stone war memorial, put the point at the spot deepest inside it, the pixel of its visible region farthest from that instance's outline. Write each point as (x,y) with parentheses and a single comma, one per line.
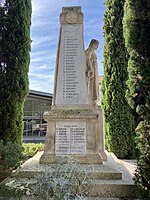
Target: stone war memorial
(75,122)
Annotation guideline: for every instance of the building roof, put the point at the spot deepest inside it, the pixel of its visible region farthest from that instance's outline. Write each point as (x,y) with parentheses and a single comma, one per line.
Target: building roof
(41,94)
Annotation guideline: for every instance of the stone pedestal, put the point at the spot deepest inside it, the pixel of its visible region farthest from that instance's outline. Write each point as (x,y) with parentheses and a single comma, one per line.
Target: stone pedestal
(75,126)
(74,132)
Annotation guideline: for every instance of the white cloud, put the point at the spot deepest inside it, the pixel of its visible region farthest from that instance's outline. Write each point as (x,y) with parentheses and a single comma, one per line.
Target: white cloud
(40,70)
(41,75)
(41,23)
(39,56)
(42,58)
(40,62)
(37,53)
(36,41)
(53,7)
(36,59)
(41,67)
(42,83)
(39,6)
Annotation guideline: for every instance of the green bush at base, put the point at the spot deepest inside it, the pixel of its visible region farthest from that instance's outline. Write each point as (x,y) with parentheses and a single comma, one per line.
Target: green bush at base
(30,149)
(11,155)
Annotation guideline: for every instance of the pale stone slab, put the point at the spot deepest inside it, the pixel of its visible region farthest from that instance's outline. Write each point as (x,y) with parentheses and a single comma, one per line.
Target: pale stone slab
(71,86)
(70,138)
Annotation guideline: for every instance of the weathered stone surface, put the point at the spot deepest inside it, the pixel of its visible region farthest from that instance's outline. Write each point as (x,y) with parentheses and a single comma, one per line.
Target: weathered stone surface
(93,145)
(71,114)
(82,159)
(70,138)
(75,122)
(71,80)
(109,181)
(70,86)
(71,15)
(113,189)
(92,72)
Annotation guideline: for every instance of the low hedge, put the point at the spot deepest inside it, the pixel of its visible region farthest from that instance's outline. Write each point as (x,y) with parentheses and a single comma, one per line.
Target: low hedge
(30,149)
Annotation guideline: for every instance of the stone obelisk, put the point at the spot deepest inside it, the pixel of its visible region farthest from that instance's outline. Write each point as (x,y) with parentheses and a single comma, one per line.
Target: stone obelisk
(75,125)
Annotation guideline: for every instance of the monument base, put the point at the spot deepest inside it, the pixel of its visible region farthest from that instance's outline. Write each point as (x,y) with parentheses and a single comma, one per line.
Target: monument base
(113,179)
(77,133)
(81,159)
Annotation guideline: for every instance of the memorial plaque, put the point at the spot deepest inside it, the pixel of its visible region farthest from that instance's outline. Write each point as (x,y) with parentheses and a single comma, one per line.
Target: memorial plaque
(70,138)
(71,74)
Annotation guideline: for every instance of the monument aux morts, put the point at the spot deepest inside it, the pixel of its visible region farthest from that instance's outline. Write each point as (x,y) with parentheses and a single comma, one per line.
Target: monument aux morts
(75,122)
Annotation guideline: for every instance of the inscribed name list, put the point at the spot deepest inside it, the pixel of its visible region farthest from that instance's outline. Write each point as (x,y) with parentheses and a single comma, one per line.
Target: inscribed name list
(70,138)
(71,81)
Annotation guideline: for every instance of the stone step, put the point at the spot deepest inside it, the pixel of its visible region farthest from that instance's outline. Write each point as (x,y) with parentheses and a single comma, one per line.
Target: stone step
(97,188)
(111,189)
(32,167)
(99,198)
(90,198)
(93,171)
(111,180)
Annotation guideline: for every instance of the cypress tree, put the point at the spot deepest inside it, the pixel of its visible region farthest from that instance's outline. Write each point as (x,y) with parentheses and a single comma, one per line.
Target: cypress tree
(14,64)
(137,40)
(119,125)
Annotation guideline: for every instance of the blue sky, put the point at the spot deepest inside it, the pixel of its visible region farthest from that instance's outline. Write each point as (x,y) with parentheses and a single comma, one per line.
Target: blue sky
(44,35)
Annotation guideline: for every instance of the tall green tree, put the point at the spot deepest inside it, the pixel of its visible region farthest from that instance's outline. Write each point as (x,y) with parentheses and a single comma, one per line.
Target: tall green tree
(14,64)
(119,124)
(137,39)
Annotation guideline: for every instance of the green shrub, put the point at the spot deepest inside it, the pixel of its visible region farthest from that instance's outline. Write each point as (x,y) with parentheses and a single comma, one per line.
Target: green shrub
(15,45)
(119,123)
(142,175)
(7,193)
(11,155)
(30,149)
(13,190)
(136,25)
(62,180)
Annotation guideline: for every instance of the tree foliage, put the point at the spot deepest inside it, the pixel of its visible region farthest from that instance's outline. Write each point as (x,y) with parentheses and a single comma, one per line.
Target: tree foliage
(137,39)
(14,63)
(119,124)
